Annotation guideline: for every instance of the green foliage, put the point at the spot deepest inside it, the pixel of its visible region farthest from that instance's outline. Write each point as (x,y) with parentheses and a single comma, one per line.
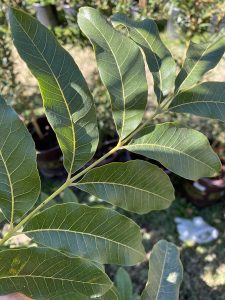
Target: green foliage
(104,181)
(78,239)
(165,273)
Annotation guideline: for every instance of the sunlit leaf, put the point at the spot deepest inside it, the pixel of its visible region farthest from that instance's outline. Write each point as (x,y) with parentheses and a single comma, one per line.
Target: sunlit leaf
(68,103)
(165,273)
(200,58)
(99,234)
(19,179)
(186,152)
(136,186)
(160,62)
(42,273)
(121,68)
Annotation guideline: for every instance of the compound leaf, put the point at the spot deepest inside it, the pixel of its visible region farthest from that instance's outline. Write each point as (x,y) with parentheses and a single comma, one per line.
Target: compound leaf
(185,152)
(19,179)
(137,186)
(99,234)
(121,68)
(68,103)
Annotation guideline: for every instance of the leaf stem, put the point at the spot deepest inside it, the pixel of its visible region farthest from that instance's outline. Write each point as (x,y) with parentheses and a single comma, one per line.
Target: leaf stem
(77,176)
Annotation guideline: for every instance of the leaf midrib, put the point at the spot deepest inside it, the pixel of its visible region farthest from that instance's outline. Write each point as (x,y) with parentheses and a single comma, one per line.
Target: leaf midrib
(11,186)
(121,78)
(161,277)
(84,233)
(122,184)
(196,102)
(62,94)
(180,87)
(52,278)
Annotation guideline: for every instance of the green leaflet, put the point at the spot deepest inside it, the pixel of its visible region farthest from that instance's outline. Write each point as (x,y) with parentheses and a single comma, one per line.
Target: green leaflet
(136,186)
(41,273)
(68,196)
(185,152)
(111,294)
(200,58)
(206,100)
(19,179)
(69,109)
(160,62)
(124,284)
(86,231)
(165,273)
(121,68)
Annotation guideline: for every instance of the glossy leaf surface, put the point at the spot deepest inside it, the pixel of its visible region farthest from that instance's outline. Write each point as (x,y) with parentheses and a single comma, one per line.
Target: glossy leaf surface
(200,58)
(136,186)
(185,152)
(67,101)
(121,68)
(19,179)
(42,273)
(99,234)
(165,273)
(160,62)
(205,100)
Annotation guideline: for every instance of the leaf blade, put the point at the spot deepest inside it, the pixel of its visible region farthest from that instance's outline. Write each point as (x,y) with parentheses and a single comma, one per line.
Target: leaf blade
(17,165)
(124,284)
(85,231)
(162,283)
(200,58)
(160,62)
(127,185)
(205,100)
(72,112)
(115,55)
(185,152)
(41,273)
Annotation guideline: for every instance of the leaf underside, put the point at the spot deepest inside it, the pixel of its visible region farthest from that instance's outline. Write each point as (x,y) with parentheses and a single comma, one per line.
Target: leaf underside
(99,234)
(19,179)
(185,152)
(205,100)
(165,273)
(136,186)
(160,62)
(42,273)
(200,58)
(121,68)
(67,101)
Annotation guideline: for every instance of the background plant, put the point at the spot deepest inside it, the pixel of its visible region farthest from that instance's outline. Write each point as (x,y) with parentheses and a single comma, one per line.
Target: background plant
(77,239)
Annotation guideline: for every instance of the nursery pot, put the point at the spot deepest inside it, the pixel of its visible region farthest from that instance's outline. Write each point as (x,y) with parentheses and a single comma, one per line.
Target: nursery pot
(46,14)
(206,191)
(69,10)
(49,155)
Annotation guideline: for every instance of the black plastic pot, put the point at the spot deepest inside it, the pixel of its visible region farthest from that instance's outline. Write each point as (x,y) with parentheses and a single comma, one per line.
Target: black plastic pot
(46,14)
(49,155)
(206,191)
